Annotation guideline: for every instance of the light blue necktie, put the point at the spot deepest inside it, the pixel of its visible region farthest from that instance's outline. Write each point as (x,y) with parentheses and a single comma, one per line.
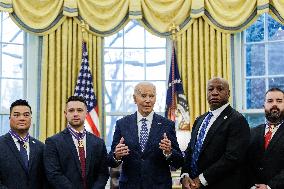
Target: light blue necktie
(198,145)
(143,134)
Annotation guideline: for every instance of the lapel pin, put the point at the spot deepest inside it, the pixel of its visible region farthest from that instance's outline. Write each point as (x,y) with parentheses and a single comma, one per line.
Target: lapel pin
(225,117)
(159,123)
(33,141)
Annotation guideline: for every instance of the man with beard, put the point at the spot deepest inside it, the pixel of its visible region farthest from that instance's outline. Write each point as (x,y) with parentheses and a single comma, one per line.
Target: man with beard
(266,149)
(75,158)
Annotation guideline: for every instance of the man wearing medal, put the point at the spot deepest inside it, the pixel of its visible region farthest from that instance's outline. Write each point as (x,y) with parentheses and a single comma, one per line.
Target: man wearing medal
(21,157)
(75,158)
(266,149)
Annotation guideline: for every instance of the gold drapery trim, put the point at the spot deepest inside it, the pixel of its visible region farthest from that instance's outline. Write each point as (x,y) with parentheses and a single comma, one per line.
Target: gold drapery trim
(203,52)
(109,16)
(62,53)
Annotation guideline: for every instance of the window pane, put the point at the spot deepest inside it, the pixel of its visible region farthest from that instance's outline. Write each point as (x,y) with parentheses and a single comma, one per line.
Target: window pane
(255,60)
(154,41)
(156,64)
(275,58)
(134,64)
(11,32)
(110,128)
(134,36)
(255,119)
(5,124)
(255,32)
(161,91)
(275,29)
(276,82)
(113,96)
(115,40)
(130,106)
(12,59)
(255,93)
(113,64)
(11,90)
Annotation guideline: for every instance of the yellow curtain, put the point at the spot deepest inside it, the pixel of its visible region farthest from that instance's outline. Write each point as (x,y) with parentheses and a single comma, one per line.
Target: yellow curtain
(62,52)
(203,52)
(109,16)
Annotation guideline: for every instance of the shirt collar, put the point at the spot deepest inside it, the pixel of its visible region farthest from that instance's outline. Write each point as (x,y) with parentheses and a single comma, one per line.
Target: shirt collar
(149,117)
(275,126)
(218,111)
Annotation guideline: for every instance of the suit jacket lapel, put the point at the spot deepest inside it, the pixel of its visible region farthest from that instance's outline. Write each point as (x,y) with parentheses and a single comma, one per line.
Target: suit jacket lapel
(70,143)
(154,132)
(33,150)
(89,151)
(133,131)
(195,131)
(277,135)
(10,142)
(218,122)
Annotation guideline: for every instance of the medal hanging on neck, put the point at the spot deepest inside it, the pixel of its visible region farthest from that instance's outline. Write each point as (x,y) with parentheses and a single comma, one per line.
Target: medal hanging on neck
(24,140)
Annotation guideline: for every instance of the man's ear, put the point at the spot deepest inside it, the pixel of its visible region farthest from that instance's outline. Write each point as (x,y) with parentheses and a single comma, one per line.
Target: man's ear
(134,98)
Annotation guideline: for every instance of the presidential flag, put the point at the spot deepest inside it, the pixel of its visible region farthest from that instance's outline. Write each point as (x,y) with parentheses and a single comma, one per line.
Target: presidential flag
(176,103)
(84,88)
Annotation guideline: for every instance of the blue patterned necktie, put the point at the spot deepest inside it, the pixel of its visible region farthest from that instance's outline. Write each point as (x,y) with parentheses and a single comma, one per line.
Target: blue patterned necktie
(198,145)
(143,134)
(24,153)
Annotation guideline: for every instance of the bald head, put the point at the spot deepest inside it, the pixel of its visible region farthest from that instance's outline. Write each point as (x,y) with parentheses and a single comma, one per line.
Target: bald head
(218,92)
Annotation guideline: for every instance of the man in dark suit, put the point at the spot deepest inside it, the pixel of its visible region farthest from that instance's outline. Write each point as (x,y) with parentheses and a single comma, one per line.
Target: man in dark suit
(215,155)
(21,157)
(266,149)
(75,158)
(146,145)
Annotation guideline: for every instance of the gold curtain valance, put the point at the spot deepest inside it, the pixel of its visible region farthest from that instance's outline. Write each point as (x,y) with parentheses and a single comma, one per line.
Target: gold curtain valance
(109,16)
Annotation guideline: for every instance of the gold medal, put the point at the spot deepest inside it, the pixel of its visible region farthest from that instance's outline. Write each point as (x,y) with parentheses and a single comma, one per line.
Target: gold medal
(80,143)
(25,146)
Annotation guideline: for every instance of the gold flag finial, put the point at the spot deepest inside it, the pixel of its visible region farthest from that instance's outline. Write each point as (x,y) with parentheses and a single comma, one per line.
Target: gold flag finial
(84,30)
(173,29)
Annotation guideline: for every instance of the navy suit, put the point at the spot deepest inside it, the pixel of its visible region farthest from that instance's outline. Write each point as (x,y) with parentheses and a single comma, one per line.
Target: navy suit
(13,174)
(149,169)
(266,166)
(62,164)
(222,155)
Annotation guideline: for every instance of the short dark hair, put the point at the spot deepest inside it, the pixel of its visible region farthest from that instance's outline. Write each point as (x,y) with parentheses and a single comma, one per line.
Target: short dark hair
(77,98)
(20,102)
(274,89)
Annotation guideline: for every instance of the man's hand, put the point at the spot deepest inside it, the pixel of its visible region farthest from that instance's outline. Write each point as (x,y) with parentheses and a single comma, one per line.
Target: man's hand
(197,182)
(187,183)
(121,149)
(166,145)
(260,186)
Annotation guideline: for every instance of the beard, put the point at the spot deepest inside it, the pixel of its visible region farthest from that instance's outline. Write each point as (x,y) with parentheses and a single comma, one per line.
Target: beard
(274,115)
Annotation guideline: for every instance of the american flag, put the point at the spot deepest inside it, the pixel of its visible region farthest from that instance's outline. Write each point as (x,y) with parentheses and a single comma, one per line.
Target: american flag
(176,103)
(84,88)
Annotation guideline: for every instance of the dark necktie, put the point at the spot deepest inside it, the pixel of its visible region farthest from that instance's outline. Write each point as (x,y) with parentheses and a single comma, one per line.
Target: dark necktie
(268,136)
(82,159)
(143,134)
(24,153)
(198,145)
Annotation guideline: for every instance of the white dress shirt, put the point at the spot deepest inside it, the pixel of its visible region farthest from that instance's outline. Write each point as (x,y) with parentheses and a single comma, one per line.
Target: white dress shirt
(18,145)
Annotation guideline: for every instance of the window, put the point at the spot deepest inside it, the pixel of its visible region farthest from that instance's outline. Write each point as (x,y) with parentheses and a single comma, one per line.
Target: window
(15,72)
(130,56)
(262,68)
